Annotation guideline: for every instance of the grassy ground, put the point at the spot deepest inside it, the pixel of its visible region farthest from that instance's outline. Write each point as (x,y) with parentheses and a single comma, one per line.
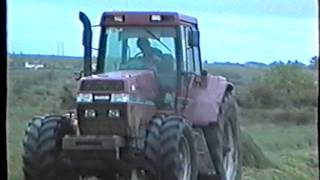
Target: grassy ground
(290,147)
(30,93)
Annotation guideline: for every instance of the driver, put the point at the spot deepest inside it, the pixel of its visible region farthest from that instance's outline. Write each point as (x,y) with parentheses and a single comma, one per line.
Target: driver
(156,58)
(149,52)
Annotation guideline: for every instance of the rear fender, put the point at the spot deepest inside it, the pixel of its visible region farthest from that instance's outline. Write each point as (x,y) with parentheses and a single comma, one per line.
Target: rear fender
(204,102)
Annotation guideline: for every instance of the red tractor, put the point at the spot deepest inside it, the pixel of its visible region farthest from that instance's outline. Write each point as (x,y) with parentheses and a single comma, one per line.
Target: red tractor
(148,111)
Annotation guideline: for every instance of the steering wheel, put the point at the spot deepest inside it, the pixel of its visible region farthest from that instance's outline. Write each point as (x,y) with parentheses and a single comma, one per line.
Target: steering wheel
(138,54)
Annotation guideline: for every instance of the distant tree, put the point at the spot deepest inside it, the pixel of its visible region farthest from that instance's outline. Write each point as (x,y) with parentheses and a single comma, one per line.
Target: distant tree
(284,85)
(314,62)
(206,62)
(276,63)
(298,63)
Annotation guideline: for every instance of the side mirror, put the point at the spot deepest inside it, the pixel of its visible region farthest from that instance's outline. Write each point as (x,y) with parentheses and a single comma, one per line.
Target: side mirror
(78,75)
(204,73)
(194,38)
(204,79)
(87,44)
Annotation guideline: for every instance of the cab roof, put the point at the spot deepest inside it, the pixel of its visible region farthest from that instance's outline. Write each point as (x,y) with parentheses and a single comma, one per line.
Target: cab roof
(143,18)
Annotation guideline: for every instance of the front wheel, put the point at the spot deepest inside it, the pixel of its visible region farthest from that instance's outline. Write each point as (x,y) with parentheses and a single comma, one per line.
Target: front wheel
(177,152)
(42,146)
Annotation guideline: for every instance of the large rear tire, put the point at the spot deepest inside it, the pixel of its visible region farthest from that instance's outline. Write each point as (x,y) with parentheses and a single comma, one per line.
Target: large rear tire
(177,152)
(223,141)
(42,145)
(232,140)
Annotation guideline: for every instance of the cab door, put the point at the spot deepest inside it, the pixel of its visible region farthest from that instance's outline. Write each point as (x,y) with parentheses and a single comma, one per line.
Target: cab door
(198,101)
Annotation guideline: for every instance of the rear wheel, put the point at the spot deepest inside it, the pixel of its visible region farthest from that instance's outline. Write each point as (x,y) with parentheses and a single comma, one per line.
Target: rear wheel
(178,154)
(42,146)
(223,141)
(232,141)
(231,157)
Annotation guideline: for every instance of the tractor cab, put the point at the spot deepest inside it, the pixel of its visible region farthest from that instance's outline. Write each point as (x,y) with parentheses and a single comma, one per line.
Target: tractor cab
(165,43)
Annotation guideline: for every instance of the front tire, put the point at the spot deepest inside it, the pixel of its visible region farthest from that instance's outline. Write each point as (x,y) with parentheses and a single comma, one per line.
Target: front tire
(42,145)
(178,153)
(152,147)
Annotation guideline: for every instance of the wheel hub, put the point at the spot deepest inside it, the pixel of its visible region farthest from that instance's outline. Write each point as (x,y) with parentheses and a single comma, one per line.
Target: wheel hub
(184,160)
(230,159)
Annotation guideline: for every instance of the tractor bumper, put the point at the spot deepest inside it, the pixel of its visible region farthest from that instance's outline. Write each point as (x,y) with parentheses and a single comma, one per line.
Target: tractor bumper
(100,153)
(91,142)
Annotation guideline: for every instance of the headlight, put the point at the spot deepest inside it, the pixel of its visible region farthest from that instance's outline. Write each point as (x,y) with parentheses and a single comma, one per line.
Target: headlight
(90,113)
(114,113)
(84,97)
(120,98)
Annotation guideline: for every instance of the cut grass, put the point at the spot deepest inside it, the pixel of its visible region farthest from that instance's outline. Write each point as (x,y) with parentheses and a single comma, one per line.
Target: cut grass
(292,148)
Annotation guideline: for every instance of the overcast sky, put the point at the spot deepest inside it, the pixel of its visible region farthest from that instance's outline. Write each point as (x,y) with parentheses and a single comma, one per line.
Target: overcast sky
(231,30)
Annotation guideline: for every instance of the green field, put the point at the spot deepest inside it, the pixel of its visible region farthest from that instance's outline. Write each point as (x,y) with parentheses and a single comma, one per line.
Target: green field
(291,147)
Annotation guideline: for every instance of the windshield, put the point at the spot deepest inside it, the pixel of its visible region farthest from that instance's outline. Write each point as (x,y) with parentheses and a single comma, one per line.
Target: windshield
(130,48)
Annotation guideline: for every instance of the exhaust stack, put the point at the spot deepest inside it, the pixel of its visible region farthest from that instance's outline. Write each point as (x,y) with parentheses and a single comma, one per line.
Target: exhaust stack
(87,44)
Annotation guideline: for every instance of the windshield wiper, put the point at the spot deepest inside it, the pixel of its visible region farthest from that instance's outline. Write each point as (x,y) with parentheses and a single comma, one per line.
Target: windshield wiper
(158,39)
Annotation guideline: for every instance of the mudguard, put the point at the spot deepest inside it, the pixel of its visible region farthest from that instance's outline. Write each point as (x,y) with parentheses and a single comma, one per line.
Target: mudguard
(205,98)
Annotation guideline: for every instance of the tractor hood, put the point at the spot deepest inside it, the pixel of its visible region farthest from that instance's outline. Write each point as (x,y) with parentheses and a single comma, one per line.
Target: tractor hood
(136,82)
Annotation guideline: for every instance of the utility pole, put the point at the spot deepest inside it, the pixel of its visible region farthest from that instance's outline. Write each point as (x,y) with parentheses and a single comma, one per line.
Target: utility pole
(62,53)
(58,48)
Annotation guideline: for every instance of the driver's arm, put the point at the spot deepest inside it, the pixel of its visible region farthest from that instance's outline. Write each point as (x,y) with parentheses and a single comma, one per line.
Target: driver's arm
(156,54)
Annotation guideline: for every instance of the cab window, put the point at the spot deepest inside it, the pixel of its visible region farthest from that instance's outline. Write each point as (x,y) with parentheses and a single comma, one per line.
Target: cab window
(189,52)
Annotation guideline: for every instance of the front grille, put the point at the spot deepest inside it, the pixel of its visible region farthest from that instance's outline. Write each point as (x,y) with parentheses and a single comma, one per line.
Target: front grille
(102,114)
(102,85)
(102,124)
